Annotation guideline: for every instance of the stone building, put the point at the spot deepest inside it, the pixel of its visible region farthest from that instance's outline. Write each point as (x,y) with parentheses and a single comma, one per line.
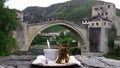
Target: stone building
(98,28)
(108,11)
(105,9)
(20,33)
(103,19)
(19,15)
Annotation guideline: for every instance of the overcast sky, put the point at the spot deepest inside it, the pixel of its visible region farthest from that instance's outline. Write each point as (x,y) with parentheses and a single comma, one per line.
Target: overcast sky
(22,4)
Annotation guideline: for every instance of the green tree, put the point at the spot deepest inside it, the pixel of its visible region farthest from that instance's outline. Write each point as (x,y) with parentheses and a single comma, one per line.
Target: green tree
(39,40)
(8,23)
(111,43)
(66,39)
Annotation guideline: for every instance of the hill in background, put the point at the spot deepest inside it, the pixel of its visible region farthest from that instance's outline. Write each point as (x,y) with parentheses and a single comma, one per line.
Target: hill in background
(73,10)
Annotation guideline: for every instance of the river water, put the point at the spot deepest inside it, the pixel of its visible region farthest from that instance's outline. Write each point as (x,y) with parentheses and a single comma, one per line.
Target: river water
(36,52)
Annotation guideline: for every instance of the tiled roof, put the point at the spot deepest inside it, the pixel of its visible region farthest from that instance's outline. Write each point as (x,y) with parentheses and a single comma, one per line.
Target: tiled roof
(96,18)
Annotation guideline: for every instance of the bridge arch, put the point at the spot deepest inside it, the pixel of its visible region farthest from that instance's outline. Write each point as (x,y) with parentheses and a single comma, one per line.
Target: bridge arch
(34,29)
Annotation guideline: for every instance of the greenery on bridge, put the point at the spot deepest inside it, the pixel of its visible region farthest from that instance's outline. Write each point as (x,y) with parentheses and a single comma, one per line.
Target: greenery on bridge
(8,23)
(39,40)
(114,52)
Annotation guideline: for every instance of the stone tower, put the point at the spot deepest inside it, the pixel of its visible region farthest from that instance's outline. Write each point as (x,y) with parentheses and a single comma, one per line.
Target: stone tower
(103,16)
(98,29)
(19,15)
(20,33)
(106,10)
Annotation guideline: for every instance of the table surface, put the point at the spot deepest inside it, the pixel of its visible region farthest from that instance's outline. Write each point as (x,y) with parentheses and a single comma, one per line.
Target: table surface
(61,66)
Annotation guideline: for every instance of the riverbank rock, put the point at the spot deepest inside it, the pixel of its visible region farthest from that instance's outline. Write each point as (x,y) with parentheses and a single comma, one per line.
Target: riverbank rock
(2,66)
(99,62)
(15,61)
(24,61)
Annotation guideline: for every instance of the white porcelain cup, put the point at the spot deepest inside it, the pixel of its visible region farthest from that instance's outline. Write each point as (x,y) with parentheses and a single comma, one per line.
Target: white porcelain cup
(51,54)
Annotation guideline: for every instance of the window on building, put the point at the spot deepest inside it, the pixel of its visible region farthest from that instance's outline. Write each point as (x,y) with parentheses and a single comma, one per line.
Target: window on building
(114,6)
(106,13)
(96,9)
(100,7)
(108,24)
(102,14)
(23,42)
(104,23)
(84,21)
(97,24)
(108,6)
(98,13)
(92,24)
(106,17)
(87,21)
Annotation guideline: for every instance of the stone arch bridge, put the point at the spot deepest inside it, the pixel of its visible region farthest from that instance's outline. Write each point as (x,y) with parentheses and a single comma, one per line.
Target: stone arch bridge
(26,33)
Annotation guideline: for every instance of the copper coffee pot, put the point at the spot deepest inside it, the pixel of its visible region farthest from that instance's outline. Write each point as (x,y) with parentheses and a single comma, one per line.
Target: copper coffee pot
(63,56)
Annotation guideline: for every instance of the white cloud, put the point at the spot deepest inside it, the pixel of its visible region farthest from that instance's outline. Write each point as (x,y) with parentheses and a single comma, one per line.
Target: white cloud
(22,4)
(116,2)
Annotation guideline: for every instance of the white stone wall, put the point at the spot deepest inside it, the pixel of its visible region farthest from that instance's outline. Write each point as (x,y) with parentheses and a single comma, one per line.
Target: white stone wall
(19,15)
(117,43)
(117,25)
(103,41)
(97,24)
(85,22)
(19,34)
(100,24)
